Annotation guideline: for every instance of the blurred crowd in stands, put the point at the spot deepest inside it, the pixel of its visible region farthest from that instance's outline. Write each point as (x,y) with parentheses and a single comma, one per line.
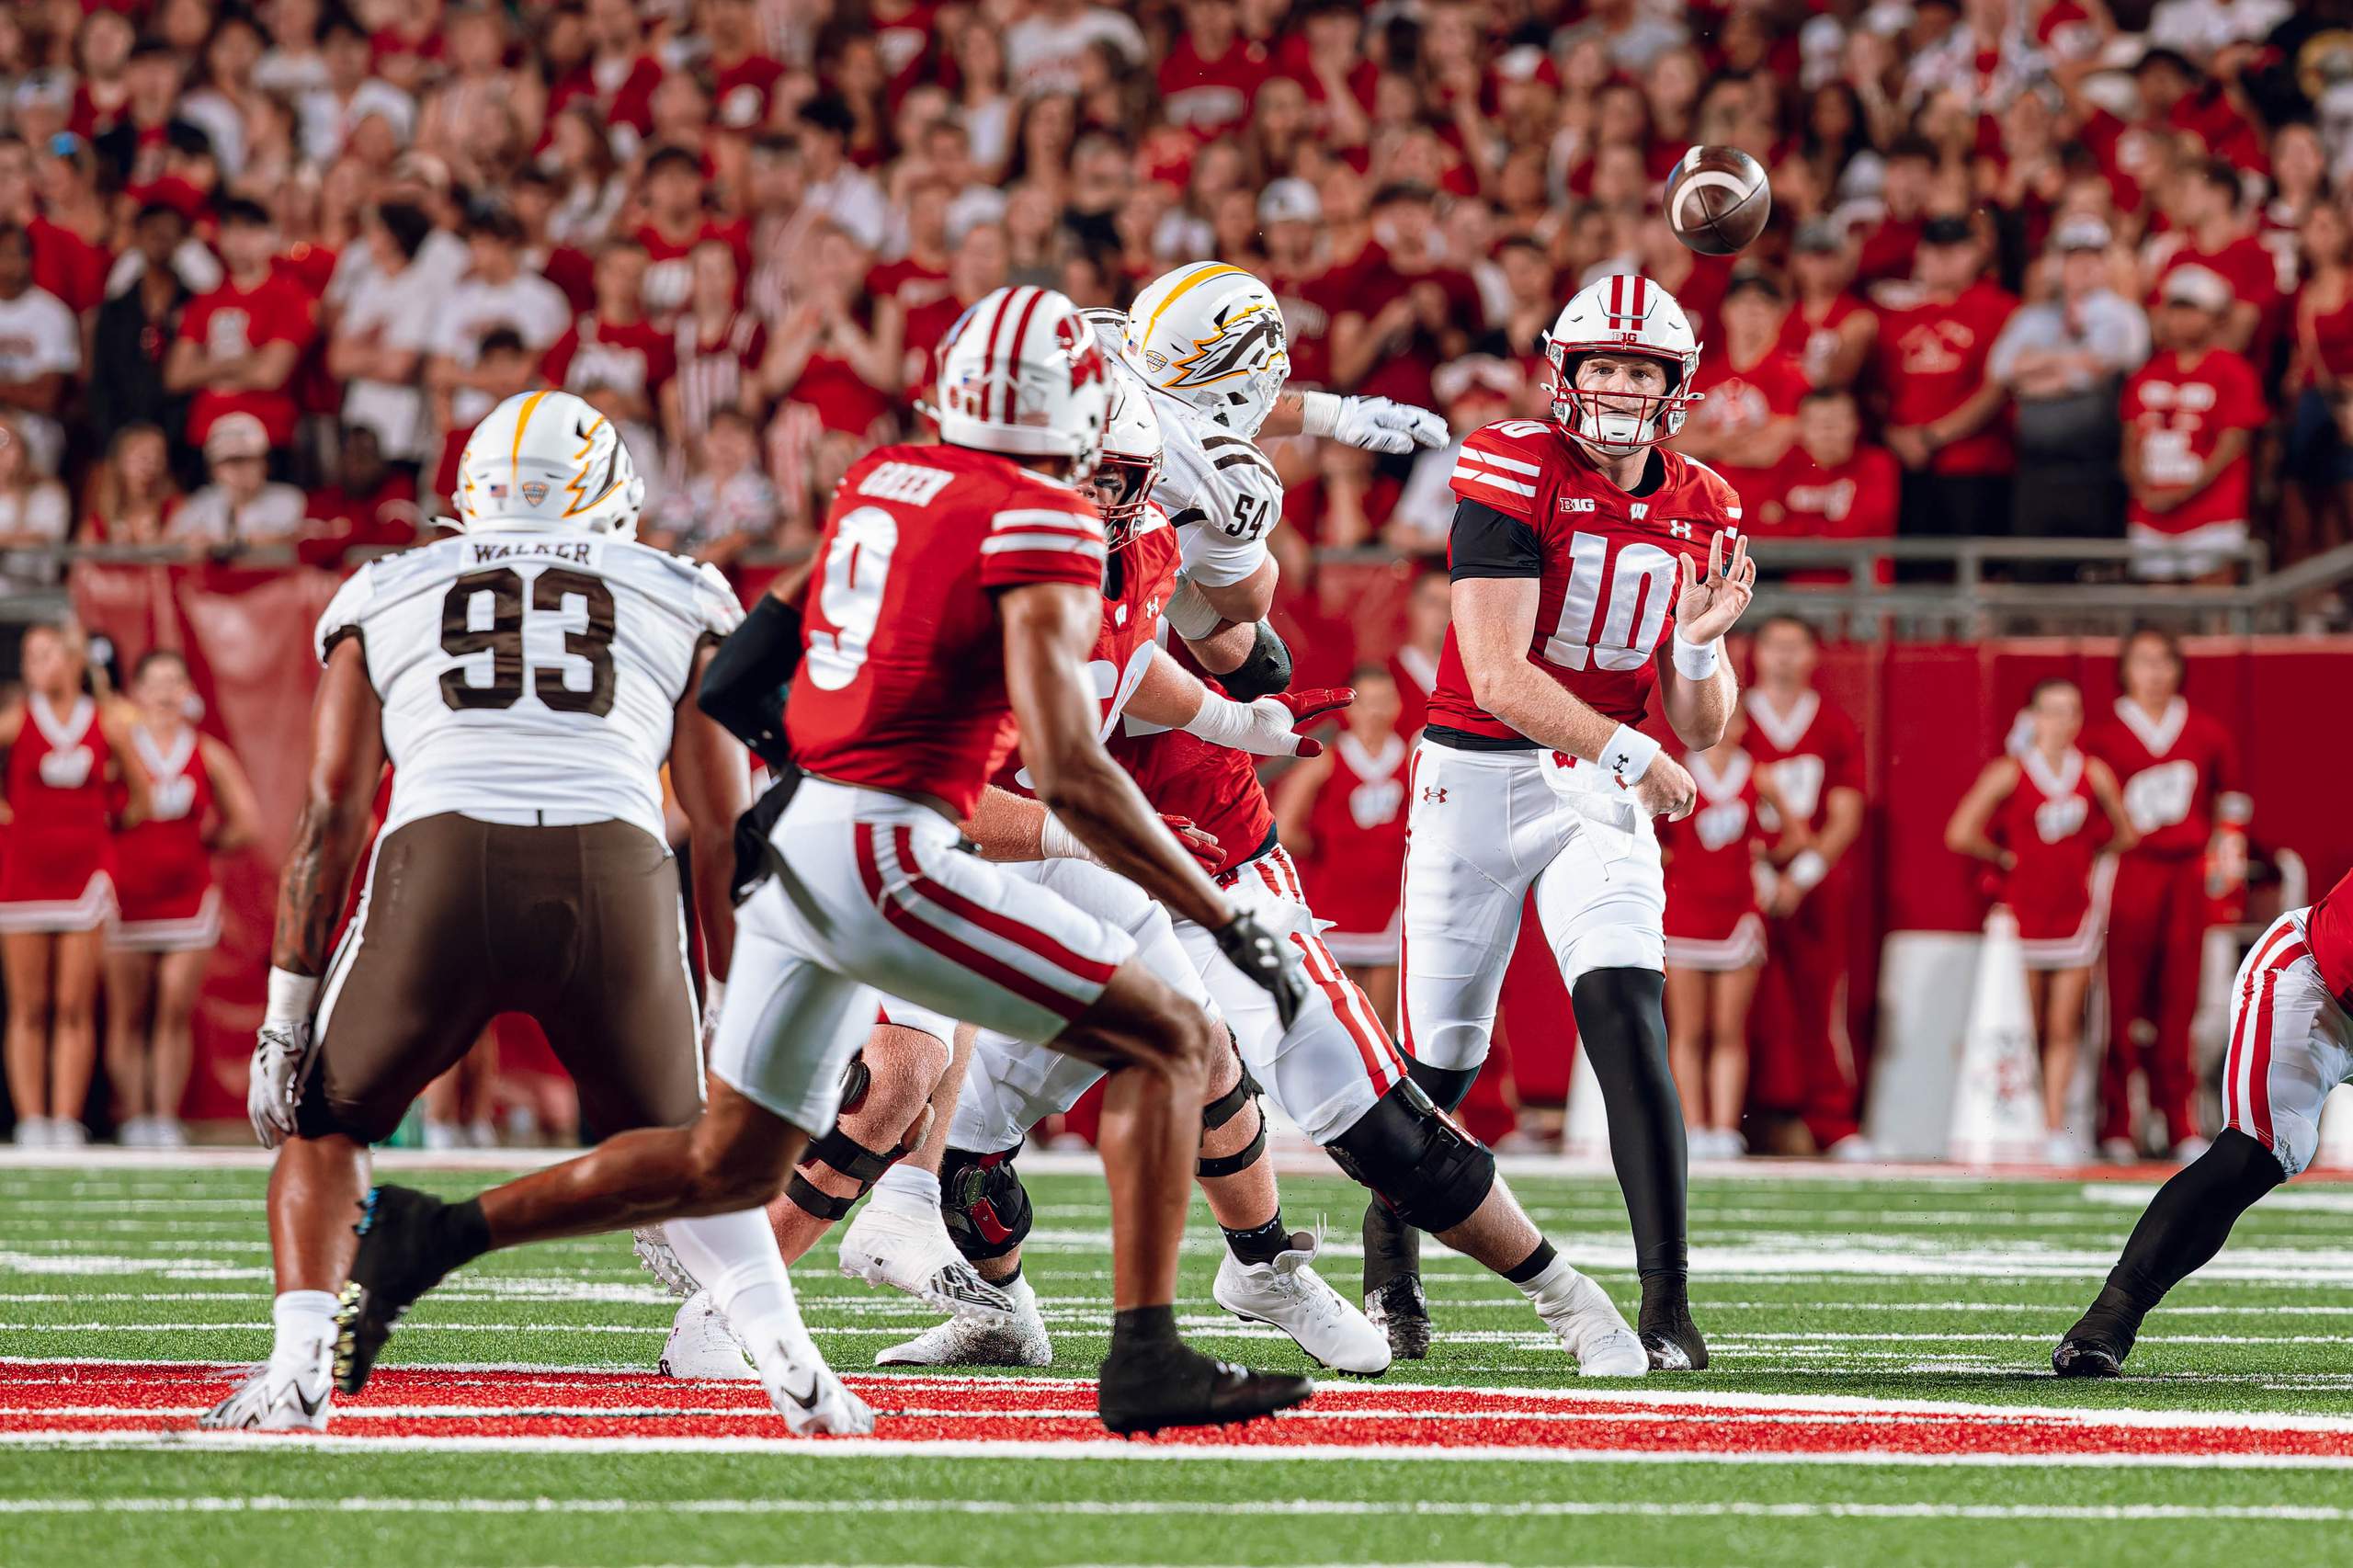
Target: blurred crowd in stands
(2037,268)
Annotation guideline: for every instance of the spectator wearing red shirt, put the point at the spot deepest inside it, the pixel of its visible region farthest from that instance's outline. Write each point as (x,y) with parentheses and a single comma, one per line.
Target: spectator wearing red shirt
(1889,244)
(65,264)
(614,347)
(2212,234)
(836,378)
(1747,416)
(1831,485)
(135,144)
(1288,213)
(369,505)
(675,222)
(980,267)
(743,76)
(1404,314)
(1829,328)
(919,275)
(238,345)
(2190,417)
(1948,419)
(1213,72)
(718,346)
(619,76)
(1325,57)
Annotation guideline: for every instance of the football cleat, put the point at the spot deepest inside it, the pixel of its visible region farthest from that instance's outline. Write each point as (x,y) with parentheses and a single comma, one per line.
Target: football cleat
(883,1246)
(703,1345)
(968,1341)
(804,1391)
(1588,1323)
(283,1395)
(399,1258)
(654,1253)
(1144,1389)
(2086,1358)
(1399,1310)
(1292,1296)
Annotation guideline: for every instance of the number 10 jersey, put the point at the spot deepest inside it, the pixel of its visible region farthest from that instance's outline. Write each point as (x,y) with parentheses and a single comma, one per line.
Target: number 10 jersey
(531,678)
(1532,504)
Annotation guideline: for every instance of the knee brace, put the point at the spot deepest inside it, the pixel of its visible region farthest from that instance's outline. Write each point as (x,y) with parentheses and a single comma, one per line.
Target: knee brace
(845,1154)
(982,1198)
(1446,1086)
(1415,1160)
(1220,1111)
(1263,671)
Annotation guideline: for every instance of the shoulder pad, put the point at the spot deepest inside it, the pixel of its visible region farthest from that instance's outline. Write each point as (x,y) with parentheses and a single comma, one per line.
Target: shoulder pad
(1499,465)
(722,611)
(346,611)
(1712,490)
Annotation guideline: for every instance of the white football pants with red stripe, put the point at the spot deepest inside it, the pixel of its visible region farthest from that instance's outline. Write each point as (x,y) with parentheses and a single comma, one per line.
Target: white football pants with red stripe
(2291,1044)
(1486,826)
(874,898)
(1324,1072)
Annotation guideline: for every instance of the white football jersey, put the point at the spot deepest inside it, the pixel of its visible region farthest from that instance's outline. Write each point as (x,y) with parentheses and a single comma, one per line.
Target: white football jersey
(1219,489)
(530,677)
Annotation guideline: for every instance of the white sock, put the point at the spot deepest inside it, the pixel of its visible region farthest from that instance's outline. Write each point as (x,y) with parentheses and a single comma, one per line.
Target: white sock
(907,1190)
(1549,1290)
(735,1258)
(303,1319)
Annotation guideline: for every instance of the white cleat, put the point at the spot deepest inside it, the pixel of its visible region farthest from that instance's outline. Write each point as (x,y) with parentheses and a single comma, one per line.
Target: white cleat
(1293,1296)
(288,1395)
(702,1345)
(910,1253)
(1589,1323)
(966,1342)
(806,1393)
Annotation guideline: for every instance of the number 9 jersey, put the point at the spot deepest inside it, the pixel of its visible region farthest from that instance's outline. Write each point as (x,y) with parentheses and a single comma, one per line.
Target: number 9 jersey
(1532,504)
(530,677)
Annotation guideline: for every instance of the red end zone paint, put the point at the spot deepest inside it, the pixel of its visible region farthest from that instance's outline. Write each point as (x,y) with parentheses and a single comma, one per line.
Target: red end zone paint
(59,1399)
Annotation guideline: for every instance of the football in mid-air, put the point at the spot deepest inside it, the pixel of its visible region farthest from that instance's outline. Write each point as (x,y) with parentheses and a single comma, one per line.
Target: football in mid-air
(1718,199)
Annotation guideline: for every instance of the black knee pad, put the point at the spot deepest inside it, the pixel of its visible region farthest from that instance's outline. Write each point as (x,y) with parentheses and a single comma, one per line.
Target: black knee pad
(2242,1167)
(846,1155)
(982,1198)
(1412,1156)
(1220,1111)
(1263,671)
(1446,1086)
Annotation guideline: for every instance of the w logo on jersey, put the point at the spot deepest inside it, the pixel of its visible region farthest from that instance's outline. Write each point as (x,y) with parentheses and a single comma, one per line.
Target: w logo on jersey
(1244,340)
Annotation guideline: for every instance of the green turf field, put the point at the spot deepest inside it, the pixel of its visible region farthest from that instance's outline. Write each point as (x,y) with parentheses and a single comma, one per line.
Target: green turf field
(1822,1295)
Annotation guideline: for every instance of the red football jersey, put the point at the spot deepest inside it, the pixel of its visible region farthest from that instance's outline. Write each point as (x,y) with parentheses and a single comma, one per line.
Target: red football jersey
(1209,97)
(1712,854)
(1932,360)
(2054,825)
(1415,674)
(2178,410)
(2328,931)
(57,777)
(901,685)
(1355,876)
(1815,339)
(1738,400)
(2180,773)
(230,322)
(1808,753)
(1606,559)
(1216,787)
(633,357)
(161,863)
(669,272)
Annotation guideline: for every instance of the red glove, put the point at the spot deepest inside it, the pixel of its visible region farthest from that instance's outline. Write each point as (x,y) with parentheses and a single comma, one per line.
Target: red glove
(1306,706)
(1198,842)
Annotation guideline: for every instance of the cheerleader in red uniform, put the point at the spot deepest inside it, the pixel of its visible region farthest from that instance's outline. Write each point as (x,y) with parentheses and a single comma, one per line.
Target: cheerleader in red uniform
(2043,817)
(56,896)
(1715,935)
(168,922)
(1342,815)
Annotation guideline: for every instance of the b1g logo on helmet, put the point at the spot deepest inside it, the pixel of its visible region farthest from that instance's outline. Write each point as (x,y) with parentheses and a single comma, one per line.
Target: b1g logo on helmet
(1244,337)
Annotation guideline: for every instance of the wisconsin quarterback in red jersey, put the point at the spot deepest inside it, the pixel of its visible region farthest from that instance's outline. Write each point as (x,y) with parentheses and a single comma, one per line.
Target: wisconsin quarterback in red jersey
(2291,1042)
(898,715)
(2044,816)
(1805,1064)
(1576,548)
(2179,772)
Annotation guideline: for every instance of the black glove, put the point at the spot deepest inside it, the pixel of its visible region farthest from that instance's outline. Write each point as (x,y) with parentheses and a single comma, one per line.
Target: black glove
(1269,963)
(754,855)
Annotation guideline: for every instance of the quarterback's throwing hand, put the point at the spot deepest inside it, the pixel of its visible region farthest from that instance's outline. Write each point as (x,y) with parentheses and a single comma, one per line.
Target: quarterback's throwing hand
(1710,606)
(1378,425)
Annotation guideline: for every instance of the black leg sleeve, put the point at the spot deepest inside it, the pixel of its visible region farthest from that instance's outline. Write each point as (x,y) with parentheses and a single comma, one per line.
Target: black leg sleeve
(1621,1018)
(2190,1218)
(1393,1247)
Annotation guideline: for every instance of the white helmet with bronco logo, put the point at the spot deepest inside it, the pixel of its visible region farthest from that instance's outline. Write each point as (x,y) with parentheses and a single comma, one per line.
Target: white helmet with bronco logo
(548,462)
(1212,336)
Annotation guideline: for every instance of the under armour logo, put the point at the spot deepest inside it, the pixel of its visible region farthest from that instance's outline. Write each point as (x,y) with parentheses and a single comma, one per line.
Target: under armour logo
(1435,796)
(1680,530)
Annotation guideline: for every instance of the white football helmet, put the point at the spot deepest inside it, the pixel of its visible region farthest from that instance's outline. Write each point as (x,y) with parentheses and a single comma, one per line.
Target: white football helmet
(547,461)
(1021,374)
(1622,313)
(1131,462)
(1212,336)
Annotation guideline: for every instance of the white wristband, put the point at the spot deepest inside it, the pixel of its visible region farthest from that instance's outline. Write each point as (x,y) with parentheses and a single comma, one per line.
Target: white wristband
(1056,842)
(1319,413)
(1695,661)
(1807,869)
(1190,614)
(1628,753)
(714,992)
(291,996)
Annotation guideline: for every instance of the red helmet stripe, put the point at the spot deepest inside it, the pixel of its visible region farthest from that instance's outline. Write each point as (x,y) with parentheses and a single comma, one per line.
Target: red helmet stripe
(988,360)
(1641,299)
(1020,336)
(1617,298)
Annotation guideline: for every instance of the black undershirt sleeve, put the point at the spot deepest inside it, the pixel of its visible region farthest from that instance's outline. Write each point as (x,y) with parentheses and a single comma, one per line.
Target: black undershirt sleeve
(1489,543)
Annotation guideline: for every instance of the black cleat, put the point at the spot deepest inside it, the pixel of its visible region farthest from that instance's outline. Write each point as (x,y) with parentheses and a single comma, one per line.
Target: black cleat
(401,1257)
(2094,1347)
(1399,1310)
(1672,1340)
(1141,1390)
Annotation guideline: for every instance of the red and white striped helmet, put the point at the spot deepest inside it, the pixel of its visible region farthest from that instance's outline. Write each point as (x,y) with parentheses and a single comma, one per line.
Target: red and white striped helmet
(1624,313)
(1021,373)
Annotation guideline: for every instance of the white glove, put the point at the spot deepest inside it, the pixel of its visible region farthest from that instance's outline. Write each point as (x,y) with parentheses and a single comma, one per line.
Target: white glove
(1270,726)
(282,1051)
(1375,423)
